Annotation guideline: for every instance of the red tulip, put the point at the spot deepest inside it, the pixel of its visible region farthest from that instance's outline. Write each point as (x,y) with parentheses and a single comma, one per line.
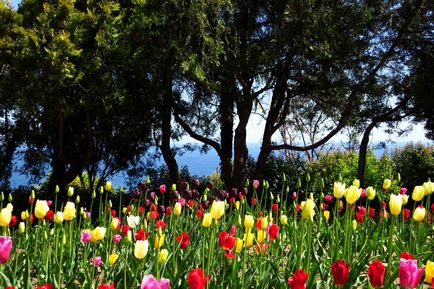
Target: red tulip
(226,241)
(160,224)
(183,239)
(273,231)
(45,286)
(371,213)
(125,229)
(340,271)
(298,279)
(406,255)
(253,200)
(275,207)
(107,286)
(376,272)
(141,235)
(407,214)
(196,279)
(199,213)
(13,221)
(230,255)
(9,287)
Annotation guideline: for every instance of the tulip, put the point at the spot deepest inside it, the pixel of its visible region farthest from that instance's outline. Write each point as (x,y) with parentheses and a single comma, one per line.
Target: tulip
(260,236)
(107,286)
(45,286)
(370,193)
(21,227)
(326,215)
(196,279)
(352,194)
(162,189)
(307,208)
(141,249)
(376,273)
(177,209)
(406,255)
(85,236)
(69,211)
(58,218)
(248,222)
(386,184)
(418,193)
(255,184)
(113,258)
(273,231)
(217,209)
(395,204)
(149,282)
(298,279)
(183,240)
(5,248)
(162,256)
(158,241)
(98,234)
(283,220)
(429,271)
(404,199)
(41,209)
(207,220)
(354,225)
(264,223)
(340,271)
(5,217)
(116,238)
(407,213)
(96,261)
(248,238)
(409,274)
(419,214)
(356,183)
(133,221)
(108,186)
(239,245)
(338,190)
(428,188)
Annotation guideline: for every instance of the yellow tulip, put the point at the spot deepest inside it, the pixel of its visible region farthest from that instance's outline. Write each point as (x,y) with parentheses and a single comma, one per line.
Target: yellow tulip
(307,208)
(248,222)
(429,271)
(418,193)
(419,214)
(404,199)
(41,209)
(248,238)
(69,211)
(237,205)
(428,188)
(114,224)
(21,227)
(326,215)
(177,209)
(97,234)
(70,192)
(338,190)
(239,245)
(370,193)
(354,225)
(141,249)
(395,204)
(283,220)
(207,220)
(217,209)
(264,223)
(386,184)
(162,256)
(9,206)
(113,258)
(58,218)
(260,236)
(158,241)
(108,186)
(352,194)
(5,217)
(356,183)
(24,215)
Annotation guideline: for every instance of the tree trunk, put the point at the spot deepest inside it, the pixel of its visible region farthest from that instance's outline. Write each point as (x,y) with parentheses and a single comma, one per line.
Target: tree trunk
(226,111)
(166,129)
(363,152)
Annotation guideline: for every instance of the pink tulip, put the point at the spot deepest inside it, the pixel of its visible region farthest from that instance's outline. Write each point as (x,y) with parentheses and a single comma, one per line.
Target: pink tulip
(5,248)
(85,236)
(96,261)
(256,184)
(149,282)
(162,189)
(409,274)
(116,238)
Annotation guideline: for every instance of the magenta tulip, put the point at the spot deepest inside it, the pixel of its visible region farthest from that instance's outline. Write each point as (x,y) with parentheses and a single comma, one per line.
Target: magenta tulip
(5,248)
(149,282)
(409,274)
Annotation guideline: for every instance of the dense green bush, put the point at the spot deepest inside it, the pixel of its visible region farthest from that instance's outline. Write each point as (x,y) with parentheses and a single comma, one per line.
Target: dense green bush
(415,163)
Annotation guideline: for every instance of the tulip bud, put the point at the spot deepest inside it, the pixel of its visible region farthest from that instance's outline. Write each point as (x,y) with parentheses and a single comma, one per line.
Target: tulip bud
(283,219)
(162,256)
(2,197)
(298,184)
(121,189)
(205,198)
(108,186)
(354,224)
(284,177)
(237,205)
(110,205)
(398,177)
(10,199)
(70,191)
(77,199)
(101,190)
(246,183)
(266,185)
(45,235)
(322,184)
(271,196)
(56,191)
(148,180)
(173,187)
(129,236)
(307,177)
(340,177)
(64,239)
(356,183)
(32,194)
(93,196)
(278,199)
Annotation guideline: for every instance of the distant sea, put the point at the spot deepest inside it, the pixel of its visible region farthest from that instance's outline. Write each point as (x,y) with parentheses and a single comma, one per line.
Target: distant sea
(198,164)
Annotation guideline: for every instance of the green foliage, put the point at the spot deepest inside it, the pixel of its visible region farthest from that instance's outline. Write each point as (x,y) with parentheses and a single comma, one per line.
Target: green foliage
(415,163)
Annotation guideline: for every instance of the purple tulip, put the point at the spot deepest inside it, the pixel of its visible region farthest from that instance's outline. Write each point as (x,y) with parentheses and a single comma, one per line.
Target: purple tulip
(409,274)
(149,282)
(5,248)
